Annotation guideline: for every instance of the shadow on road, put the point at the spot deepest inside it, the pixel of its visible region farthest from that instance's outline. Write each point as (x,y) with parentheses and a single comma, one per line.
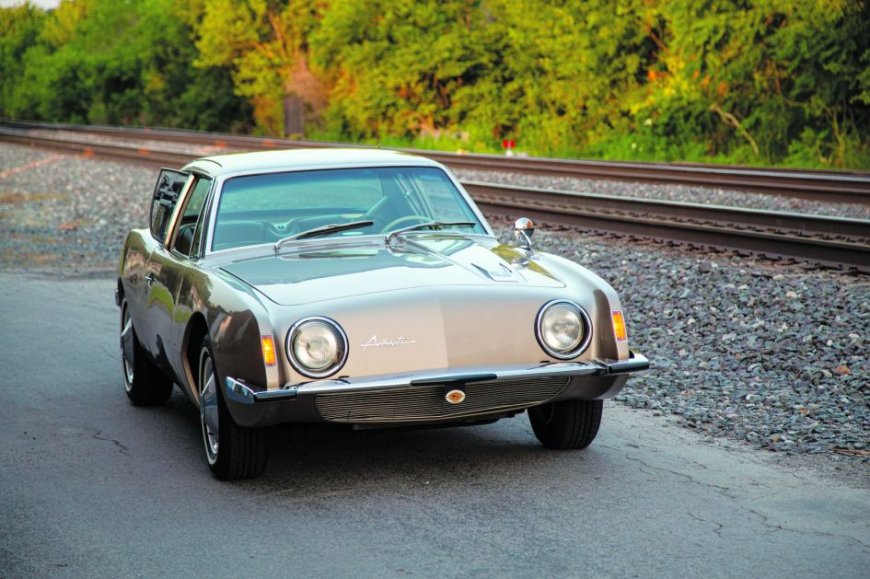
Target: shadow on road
(310,460)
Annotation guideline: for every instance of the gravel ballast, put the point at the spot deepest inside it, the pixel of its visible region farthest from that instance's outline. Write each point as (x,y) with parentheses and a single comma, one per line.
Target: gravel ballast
(60,211)
(772,355)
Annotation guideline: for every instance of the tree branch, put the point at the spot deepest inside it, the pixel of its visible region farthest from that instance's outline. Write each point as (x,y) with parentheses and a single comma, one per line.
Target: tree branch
(732,121)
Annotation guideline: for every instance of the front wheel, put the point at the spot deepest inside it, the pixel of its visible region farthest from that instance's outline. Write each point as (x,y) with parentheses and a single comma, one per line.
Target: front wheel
(232,451)
(144,383)
(570,424)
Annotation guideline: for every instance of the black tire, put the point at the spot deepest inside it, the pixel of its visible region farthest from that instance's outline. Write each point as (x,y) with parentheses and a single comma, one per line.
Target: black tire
(232,452)
(570,424)
(144,383)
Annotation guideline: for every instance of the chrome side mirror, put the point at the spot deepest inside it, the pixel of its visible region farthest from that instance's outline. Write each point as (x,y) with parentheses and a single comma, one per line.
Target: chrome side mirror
(524,228)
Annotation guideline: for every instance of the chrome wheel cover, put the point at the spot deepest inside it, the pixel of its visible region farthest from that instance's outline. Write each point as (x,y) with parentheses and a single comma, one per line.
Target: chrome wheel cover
(208,407)
(127,337)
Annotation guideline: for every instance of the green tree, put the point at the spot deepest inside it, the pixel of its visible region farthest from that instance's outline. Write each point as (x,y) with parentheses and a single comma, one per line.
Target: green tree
(265,42)
(545,73)
(556,80)
(21,26)
(754,81)
(397,65)
(121,62)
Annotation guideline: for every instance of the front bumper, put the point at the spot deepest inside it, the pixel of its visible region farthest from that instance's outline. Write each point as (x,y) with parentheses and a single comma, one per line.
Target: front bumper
(593,380)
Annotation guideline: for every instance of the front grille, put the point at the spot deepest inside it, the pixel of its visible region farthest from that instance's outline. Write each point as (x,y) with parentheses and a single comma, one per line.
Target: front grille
(427,403)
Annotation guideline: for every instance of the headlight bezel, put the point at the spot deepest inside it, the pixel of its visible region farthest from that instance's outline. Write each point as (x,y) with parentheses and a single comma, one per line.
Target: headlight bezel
(585,321)
(341,342)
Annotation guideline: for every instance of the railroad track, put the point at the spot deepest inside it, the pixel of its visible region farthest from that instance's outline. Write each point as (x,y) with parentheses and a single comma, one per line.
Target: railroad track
(835,241)
(828,186)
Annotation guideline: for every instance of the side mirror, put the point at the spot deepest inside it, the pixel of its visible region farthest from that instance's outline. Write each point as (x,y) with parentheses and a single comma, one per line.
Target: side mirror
(524,228)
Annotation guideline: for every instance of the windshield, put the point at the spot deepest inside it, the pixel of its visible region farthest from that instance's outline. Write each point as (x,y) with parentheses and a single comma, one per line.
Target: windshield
(269,208)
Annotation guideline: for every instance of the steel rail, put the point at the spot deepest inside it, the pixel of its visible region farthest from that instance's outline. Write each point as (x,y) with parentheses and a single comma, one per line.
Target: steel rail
(89,148)
(833,241)
(830,186)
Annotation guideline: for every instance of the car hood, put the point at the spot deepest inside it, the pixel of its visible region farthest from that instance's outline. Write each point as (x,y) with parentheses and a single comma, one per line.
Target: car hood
(321,270)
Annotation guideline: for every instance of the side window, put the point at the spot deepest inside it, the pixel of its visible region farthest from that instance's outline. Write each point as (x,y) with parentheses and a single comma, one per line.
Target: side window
(169,186)
(191,224)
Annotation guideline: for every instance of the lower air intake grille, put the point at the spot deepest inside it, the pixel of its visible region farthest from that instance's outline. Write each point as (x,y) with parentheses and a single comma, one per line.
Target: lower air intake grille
(426,403)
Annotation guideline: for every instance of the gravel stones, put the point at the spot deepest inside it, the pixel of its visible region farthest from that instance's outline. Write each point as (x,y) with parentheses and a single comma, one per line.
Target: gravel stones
(771,354)
(768,353)
(68,214)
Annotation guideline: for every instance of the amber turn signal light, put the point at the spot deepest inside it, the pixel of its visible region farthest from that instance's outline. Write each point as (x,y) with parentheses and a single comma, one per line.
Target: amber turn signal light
(619,330)
(268,346)
(455,396)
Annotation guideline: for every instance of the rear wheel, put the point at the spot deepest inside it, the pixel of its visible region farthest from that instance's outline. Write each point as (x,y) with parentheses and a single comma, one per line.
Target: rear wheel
(569,424)
(145,384)
(233,452)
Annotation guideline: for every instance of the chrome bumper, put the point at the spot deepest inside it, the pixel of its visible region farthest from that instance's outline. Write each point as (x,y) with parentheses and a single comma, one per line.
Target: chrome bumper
(243,393)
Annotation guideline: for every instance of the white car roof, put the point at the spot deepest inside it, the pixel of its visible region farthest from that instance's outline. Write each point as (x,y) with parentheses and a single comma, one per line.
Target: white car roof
(306,159)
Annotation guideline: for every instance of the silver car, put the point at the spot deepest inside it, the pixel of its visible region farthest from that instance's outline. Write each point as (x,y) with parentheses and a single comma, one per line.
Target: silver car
(360,287)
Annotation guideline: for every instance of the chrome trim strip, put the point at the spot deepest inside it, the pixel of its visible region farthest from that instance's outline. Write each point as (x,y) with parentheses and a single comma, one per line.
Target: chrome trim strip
(455,379)
(240,392)
(330,386)
(180,202)
(635,363)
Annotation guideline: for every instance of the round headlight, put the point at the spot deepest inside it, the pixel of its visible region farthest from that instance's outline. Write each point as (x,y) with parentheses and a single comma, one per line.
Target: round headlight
(317,347)
(563,329)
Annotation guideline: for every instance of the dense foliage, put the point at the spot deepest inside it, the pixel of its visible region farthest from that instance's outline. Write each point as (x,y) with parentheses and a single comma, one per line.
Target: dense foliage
(749,81)
(111,62)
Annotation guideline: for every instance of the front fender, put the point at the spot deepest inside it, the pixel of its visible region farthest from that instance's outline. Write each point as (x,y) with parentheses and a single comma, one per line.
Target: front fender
(235,320)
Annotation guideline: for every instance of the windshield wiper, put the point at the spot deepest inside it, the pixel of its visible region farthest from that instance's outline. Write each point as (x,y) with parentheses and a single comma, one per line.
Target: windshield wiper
(323,230)
(427,225)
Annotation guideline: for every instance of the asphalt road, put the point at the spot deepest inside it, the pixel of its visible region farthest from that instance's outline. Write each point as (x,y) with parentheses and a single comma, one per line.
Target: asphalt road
(91,486)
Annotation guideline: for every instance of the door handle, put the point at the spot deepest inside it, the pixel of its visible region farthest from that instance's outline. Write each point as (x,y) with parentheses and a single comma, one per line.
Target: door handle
(149,279)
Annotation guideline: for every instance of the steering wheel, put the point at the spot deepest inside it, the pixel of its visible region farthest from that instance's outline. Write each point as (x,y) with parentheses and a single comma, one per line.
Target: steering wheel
(280,230)
(410,218)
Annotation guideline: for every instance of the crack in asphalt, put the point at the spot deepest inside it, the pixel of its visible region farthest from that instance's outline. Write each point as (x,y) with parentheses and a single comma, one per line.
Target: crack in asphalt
(651,475)
(775,527)
(717,530)
(719,488)
(765,521)
(123,449)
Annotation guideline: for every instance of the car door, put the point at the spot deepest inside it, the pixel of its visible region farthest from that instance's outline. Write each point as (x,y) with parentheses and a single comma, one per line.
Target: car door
(157,298)
(177,280)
